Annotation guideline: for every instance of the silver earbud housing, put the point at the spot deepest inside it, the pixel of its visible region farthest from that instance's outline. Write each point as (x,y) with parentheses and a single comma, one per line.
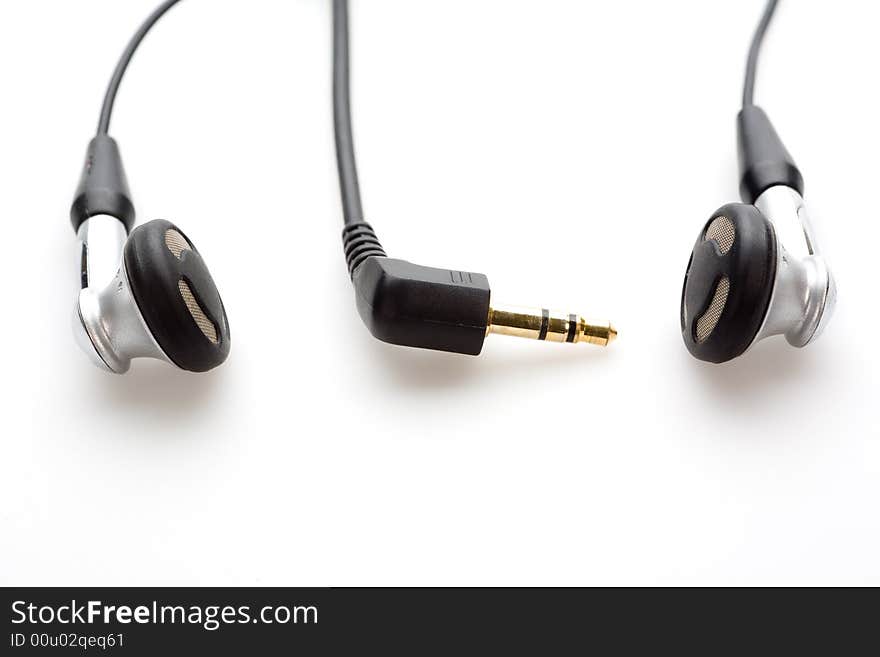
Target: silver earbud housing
(804,292)
(108,326)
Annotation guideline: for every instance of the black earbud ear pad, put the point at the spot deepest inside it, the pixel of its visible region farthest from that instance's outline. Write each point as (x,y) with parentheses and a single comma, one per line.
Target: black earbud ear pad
(176,296)
(729,283)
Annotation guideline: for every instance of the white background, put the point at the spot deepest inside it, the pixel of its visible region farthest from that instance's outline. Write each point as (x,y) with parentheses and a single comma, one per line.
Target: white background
(571,150)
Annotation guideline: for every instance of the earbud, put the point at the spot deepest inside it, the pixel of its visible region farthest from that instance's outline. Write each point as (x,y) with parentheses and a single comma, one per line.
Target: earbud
(755,270)
(728,283)
(147,294)
(161,302)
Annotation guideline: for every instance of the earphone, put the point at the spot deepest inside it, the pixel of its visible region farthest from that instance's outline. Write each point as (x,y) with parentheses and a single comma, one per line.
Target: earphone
(149,294)
(755,270)
(144,292)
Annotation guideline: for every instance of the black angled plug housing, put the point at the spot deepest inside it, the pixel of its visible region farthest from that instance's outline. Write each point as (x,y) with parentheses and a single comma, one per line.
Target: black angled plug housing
(414,306)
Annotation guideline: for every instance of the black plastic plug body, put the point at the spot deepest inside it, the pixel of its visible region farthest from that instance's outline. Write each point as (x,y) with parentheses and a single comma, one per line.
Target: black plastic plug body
(414,306)
(446,310)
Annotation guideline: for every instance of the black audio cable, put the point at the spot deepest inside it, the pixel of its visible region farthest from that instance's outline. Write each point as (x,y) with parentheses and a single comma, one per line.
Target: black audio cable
(763,159)
(352,210)
(416,306)
(125,60)
(103,188)
(755,51)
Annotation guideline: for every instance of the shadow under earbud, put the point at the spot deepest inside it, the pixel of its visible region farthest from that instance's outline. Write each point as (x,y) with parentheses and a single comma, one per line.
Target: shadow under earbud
(162,390)
(769,364)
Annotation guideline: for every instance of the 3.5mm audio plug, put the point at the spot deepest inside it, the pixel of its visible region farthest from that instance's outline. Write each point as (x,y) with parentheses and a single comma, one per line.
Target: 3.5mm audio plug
(415,306)
(542,324)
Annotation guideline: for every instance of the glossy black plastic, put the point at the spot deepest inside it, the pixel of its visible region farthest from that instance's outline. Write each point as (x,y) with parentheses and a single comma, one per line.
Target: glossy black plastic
(154,274)
(750,267)
(415,306)
(763,159)
(103,188)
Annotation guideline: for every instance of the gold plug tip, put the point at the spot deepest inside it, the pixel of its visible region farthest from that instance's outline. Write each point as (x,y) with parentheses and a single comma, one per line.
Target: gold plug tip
(598,333)
(542,324)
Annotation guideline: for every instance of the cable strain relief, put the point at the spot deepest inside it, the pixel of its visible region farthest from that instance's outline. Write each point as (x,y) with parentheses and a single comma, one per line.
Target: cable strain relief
(103,188)
(360,242)
(763,159)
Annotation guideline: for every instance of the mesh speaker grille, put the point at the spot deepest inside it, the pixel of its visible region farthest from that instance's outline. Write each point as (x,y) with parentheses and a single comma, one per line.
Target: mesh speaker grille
(206,326)
(176,242)
(707,323)
(723,232)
